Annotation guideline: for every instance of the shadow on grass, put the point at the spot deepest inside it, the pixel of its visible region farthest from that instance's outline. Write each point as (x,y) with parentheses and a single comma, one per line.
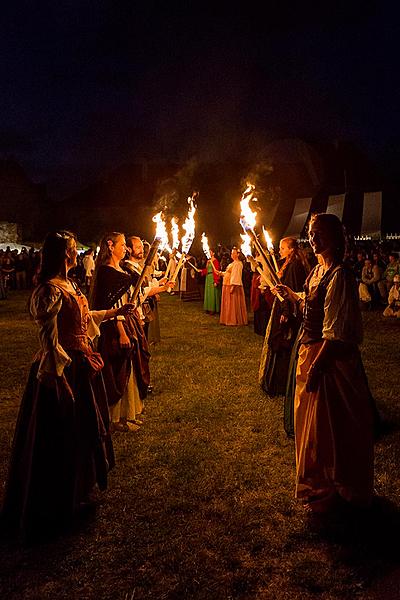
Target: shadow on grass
(364,544)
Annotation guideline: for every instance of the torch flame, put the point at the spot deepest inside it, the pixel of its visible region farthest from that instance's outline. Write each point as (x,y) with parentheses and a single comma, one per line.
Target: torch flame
(189,227)
(206,247)
(247,216)
(175,233)
(161,231)
(268,239)
(246,244)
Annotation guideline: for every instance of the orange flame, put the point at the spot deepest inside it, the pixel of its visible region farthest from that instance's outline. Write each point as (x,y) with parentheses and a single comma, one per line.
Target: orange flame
(268,239)
(206,247)
(175,233)
(189,227)
(246,244)
(248,216)
(161,231)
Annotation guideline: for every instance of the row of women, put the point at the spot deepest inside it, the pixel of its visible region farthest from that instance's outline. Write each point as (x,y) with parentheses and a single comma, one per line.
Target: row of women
(76,394)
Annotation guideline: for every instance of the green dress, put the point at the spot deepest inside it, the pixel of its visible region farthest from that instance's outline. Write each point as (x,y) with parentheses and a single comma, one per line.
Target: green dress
(212,293)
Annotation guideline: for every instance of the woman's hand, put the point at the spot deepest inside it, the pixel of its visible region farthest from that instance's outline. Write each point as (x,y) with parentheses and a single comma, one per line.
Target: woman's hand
(124,341)
(127,309)
(285,292)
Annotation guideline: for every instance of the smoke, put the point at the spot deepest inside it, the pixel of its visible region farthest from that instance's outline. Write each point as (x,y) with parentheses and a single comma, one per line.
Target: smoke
(172,192)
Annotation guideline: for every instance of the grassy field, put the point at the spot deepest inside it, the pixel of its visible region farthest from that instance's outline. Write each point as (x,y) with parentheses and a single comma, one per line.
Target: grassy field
(200,504)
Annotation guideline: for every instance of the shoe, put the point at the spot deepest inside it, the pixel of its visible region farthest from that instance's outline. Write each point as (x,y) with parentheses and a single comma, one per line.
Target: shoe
(149,389)
(124,427)
(135,421)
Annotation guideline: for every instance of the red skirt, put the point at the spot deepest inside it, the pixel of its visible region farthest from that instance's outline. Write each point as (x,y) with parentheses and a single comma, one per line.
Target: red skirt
(233,306)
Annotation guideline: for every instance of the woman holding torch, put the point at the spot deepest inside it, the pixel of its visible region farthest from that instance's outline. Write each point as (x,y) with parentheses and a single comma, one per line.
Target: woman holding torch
(284,321)
(233,303)
(62,445)
(122,343)
(334,410)
(212,290)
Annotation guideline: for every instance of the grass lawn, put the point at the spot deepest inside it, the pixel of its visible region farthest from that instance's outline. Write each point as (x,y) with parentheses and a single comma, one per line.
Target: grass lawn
(200,504)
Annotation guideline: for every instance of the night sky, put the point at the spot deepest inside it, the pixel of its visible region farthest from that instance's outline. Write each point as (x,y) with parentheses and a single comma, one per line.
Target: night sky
(86,86)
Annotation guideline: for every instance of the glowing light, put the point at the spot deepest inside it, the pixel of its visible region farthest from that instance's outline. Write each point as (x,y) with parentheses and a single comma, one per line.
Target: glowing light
(175,233)
(248,216)
(189,227)
(161,231)
(204,243)
(246,244)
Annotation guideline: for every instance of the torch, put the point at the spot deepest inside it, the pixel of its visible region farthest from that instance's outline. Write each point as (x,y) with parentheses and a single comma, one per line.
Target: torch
(248,222)
(146,267)
(187,239)
(270,247)
(206,247)
(246,249)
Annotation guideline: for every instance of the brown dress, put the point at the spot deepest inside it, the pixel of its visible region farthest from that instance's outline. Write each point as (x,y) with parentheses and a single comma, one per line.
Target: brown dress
(62,446)
(333,425)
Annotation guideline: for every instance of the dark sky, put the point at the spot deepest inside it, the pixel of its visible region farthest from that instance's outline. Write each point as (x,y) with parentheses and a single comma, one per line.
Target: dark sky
(90,85)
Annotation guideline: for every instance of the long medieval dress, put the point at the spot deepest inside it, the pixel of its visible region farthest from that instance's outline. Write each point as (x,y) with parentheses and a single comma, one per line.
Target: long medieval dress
(334,424)
(62,445)
(261,301)
(233,302)
(212,290)
(126,370)
(280,337)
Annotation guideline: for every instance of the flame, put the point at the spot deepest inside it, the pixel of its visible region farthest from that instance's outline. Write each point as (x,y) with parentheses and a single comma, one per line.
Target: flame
(268,239)
(189,226)
(206,247)
(161,231)
(246,244)
(247,216)
(175,233)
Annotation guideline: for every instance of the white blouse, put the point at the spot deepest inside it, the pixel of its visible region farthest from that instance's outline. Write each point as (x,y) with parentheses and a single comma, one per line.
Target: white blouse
(45,305)
(342,320)
(233,273)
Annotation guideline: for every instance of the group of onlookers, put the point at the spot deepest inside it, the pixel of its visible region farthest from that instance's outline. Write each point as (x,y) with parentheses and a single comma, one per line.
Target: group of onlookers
(377,276)
(17,269)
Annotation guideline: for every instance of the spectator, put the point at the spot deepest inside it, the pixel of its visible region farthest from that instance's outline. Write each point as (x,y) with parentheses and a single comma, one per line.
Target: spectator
(88,265)
(392,269)
(368,288)
(393,308)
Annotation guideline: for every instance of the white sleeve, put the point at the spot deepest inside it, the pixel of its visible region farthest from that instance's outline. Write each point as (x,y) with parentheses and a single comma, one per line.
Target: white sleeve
(96,318)
(342,320)
(44,306)
(236,273)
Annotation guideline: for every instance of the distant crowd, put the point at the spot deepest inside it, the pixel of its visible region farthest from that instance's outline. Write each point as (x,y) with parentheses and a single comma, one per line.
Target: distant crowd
(376,267)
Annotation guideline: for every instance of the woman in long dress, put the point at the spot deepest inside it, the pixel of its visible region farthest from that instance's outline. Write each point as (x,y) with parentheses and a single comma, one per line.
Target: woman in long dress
(62,445)
(233,302)
(122,344)
(334,410)
(284,321)
(212,290)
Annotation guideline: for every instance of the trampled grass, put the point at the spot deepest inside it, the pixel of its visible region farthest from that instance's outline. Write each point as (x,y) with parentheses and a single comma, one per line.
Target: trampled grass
(200,504)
